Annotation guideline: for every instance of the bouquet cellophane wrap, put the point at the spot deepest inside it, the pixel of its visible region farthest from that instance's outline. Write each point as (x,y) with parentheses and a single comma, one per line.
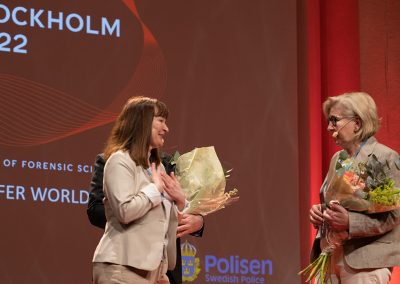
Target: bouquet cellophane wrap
(351,192)
(202,178)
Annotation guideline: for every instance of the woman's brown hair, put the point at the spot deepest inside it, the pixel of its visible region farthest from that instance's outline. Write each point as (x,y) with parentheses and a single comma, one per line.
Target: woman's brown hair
(132,130)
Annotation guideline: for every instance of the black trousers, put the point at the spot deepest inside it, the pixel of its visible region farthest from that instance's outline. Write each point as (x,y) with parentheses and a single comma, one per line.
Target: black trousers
(175,276)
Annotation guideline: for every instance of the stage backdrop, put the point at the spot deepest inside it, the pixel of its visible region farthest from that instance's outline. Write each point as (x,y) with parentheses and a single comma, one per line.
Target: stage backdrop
(228,72)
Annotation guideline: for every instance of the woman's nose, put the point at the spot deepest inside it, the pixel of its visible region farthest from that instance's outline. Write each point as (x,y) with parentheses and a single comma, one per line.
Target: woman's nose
(330,127)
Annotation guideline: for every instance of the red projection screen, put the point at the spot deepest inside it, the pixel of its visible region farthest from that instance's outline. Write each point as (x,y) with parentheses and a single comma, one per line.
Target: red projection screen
(227,71)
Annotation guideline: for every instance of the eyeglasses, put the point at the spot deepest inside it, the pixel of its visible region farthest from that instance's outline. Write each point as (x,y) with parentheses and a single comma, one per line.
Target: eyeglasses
(334,119)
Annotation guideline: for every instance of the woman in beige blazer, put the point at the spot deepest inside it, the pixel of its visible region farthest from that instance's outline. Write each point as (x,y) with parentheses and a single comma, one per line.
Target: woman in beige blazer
(372,245)
(141,201)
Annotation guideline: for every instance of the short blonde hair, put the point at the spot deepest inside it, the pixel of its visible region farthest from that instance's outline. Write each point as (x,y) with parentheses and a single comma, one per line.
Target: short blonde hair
(358,104)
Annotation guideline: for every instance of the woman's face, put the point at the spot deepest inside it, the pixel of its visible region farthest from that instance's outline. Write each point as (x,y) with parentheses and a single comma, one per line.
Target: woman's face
(342,127)
(158,130)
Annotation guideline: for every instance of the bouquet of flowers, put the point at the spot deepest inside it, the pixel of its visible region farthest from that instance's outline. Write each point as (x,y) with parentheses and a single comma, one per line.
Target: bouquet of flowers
(203,181)
(365,187)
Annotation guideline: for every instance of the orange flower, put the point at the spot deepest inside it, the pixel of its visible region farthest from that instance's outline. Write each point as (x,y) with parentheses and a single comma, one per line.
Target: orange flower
(354,180)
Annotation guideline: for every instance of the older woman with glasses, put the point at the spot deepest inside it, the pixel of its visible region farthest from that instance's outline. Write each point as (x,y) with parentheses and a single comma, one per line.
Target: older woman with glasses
(372,247)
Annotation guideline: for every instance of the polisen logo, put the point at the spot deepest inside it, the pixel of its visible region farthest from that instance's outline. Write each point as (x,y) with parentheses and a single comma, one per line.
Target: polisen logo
(229,269)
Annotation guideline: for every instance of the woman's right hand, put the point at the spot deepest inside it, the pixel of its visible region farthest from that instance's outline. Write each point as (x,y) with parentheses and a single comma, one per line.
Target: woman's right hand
(316,217)
(157,179)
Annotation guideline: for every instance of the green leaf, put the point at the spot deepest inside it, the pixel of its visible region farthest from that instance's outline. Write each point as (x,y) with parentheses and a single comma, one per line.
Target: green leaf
(343,155)
(174,158)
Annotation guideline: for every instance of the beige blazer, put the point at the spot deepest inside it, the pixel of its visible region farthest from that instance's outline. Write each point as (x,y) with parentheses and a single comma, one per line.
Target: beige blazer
(374,238)
(135,229)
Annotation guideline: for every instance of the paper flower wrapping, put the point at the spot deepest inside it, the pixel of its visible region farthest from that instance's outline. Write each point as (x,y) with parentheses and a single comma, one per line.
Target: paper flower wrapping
(203,180)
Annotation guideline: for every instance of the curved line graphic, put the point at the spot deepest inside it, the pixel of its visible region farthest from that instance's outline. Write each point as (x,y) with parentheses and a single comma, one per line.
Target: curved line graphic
(151,76)
(35,114)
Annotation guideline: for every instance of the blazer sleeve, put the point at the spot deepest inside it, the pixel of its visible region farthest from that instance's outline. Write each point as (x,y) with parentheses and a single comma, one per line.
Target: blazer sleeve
(95,210)
(127,201)
(366,225)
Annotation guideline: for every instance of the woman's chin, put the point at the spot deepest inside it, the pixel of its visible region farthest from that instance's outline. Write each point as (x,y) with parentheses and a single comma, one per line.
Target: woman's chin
(338,142)
(157,144)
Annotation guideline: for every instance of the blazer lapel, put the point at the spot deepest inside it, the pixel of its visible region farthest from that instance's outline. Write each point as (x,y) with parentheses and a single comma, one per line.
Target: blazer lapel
(368,148)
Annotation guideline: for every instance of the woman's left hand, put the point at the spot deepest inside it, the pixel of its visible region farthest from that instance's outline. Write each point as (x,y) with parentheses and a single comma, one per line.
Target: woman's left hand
(173,188)
(337,217)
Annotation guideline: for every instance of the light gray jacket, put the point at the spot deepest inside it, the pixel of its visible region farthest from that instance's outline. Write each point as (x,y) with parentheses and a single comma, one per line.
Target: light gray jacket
(374,238)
